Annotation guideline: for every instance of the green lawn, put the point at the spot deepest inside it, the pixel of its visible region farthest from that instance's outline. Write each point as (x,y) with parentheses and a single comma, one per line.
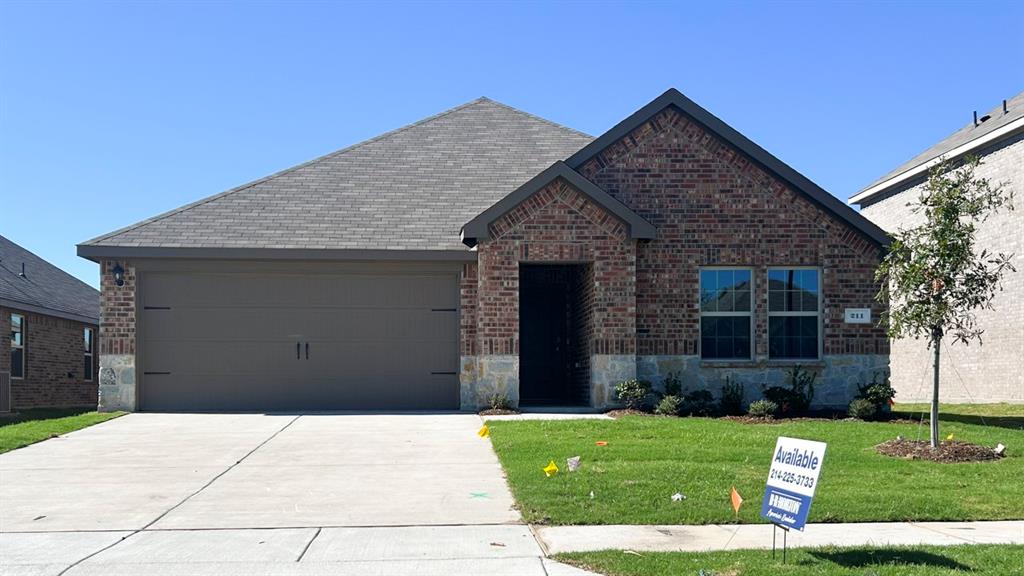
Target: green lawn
(860,561)
(31,426)
(1002,414)
(647,459)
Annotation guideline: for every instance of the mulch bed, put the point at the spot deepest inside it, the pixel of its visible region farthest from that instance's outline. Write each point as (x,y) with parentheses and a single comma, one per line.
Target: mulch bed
(627,412)
(947,452)
(497,412)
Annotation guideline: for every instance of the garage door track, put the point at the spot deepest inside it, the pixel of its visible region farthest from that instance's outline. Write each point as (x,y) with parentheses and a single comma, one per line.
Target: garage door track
(264,494)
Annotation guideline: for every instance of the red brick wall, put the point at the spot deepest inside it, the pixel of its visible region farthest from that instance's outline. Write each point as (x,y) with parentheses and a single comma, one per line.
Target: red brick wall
(117,309)
(557,224)
(712,206)
(467,309)
(54,348)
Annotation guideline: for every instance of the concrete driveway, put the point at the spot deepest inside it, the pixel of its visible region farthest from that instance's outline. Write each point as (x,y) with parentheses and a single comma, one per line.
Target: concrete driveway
(264,494)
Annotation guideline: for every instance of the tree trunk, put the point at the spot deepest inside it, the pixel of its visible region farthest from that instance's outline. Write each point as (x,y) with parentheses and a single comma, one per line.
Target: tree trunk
(936,341)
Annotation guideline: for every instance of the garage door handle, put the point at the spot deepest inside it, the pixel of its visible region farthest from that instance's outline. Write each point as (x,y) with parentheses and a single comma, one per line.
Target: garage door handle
(307,350)
(298,350)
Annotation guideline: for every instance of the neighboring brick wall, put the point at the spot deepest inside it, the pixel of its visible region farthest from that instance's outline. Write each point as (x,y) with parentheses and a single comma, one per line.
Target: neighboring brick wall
(713,207)
(467,309)
(54,349)
(994,370)
(557,224)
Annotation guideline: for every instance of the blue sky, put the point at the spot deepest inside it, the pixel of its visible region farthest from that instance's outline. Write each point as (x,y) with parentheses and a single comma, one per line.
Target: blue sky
(111,113)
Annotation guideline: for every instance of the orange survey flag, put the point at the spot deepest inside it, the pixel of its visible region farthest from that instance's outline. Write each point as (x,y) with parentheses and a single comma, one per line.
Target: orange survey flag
(737,500)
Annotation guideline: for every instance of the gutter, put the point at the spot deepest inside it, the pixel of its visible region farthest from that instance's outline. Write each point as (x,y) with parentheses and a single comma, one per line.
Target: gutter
(997,134)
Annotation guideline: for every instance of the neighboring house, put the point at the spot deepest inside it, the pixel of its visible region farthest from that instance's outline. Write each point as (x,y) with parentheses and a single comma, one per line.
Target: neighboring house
(52,319)
(486,251)
(992,370)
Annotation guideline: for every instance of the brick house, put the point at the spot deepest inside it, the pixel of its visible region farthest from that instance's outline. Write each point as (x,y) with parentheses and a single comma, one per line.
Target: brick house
(993,370)
(487,251)
(52,319)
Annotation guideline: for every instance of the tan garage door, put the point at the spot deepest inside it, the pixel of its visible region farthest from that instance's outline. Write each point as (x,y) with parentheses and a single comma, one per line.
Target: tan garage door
(276,342)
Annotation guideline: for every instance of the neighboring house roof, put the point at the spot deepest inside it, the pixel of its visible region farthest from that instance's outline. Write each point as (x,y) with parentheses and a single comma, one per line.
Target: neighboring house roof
(992,127)
(478,228)
(409,189)
(758,155)
(44,288)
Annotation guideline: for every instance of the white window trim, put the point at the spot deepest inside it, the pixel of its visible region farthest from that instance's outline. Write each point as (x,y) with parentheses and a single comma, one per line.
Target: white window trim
(90,354)
(750,314)
(820,313)
(19,347)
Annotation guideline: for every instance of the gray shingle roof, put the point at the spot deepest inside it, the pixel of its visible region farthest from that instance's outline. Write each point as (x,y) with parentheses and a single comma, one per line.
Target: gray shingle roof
(44,286)
(997,119)
(409,189)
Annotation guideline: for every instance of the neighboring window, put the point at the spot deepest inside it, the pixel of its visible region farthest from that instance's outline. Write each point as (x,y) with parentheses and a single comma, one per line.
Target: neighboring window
(87,335)
(726,326)
(17,346)
(794,313)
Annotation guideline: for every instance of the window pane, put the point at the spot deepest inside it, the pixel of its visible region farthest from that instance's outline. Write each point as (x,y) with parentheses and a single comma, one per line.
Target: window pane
(793,337)
(17,329)
(725,337)
(87,336)
(88,368)
(708,291)
(725,290)
(17,363)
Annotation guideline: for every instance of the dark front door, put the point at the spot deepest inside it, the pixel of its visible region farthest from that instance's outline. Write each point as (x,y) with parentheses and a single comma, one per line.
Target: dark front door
(546,334)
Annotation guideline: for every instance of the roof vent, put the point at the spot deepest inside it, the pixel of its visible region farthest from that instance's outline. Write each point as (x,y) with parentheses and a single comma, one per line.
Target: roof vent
(984,118)
(1005,110)
(22,270)
(975,118)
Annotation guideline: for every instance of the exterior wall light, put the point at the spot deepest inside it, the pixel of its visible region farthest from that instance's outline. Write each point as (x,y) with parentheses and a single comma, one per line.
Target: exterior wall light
(118,274)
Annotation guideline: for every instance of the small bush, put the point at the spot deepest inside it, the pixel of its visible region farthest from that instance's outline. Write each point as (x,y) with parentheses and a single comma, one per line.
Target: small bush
(731,402)
(669,406)
(633,393)
(698,403)
(801,386)
(781,397)
(862,409)
(879,393)
(499,402)
(763,409)
(673,384)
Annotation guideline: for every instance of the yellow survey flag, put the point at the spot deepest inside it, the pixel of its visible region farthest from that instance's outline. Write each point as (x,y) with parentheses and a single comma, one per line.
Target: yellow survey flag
(551,469)
(950,437)
(484,431)
(737,500)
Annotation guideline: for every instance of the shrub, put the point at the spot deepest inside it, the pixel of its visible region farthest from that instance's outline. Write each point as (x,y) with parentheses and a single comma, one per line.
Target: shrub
(801,386)
(878,393)
(673,384)
(862,409)
(499,402)
(633,393)
(731,402)
(796,399)
(669,406)
(698,403)
(763,409)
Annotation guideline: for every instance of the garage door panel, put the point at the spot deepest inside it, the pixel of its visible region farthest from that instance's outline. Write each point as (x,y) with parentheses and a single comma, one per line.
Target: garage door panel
(227,341)
(291,324)
(283,290)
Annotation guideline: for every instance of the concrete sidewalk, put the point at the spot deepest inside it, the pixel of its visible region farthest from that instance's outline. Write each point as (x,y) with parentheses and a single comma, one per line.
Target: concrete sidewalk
(557,539)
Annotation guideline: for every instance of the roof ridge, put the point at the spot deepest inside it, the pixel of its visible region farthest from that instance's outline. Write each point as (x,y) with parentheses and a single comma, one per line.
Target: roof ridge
(535,117)
(288,170)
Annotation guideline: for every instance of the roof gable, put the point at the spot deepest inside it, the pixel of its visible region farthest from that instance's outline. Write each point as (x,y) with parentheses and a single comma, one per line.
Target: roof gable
(478,229)
(407,190)
(44,288)
(744,145)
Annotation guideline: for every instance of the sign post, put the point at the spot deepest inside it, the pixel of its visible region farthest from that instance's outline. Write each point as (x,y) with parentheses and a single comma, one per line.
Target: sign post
(792,480)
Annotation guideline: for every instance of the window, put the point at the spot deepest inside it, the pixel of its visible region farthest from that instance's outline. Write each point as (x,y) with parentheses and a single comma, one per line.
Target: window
(794,313)
(87,334)
(726,326)
(17,346)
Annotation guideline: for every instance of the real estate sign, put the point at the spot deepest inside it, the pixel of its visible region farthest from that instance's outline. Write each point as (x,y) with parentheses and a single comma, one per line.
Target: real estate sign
(792,480)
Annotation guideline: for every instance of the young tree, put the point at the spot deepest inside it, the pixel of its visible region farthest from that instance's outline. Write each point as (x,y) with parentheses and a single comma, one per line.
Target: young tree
(932,279)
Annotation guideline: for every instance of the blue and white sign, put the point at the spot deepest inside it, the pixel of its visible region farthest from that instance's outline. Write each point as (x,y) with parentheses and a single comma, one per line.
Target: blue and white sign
(792,480)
